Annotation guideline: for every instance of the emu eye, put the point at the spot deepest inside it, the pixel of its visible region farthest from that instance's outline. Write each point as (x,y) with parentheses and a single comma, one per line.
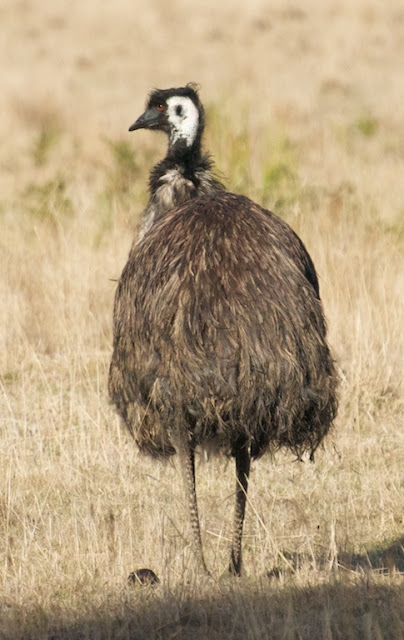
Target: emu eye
(178,110)
(160,107)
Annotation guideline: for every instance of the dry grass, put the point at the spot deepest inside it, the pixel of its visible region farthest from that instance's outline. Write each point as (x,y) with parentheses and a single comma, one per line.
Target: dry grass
(310,123)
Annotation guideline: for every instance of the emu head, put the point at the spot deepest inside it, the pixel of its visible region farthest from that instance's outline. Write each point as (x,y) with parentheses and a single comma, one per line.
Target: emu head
(177,112)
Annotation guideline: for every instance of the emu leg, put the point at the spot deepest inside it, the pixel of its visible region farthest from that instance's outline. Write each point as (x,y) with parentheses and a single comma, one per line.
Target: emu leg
(242,456)
(187,463)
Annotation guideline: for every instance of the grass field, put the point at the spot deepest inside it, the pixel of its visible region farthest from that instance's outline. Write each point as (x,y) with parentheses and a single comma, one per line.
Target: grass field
(304,114)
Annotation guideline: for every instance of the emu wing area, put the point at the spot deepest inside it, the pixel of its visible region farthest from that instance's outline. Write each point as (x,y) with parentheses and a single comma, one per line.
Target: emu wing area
(218,323)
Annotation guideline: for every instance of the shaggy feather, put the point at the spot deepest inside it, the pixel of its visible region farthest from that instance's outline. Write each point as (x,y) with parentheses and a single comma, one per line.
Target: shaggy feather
(217,312)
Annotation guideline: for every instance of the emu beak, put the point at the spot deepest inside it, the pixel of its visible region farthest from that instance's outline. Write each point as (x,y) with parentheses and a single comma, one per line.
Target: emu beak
(148,120)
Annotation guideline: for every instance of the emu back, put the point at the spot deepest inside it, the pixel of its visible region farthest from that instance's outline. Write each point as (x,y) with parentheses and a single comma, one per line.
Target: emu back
(218,324)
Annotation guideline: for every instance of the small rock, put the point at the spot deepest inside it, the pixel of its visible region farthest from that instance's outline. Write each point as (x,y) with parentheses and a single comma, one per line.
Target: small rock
(143,577)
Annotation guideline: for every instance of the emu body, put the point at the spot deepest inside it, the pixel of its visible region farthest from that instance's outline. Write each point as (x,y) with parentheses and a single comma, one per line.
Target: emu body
(219,331)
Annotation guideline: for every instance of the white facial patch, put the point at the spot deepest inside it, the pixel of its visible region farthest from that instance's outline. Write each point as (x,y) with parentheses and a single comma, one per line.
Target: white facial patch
(183,117)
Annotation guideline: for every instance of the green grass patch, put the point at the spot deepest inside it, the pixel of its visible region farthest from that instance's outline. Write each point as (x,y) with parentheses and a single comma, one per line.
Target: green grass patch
(367,125)
(281,185)
(48,200)
(123,170)
(45,141)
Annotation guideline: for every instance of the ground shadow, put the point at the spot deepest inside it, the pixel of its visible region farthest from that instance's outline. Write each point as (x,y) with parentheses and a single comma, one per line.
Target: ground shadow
(339,611)
(349,605)
(385,560)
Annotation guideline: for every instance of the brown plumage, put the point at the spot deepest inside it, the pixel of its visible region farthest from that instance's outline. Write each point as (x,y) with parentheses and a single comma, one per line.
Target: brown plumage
(219,333)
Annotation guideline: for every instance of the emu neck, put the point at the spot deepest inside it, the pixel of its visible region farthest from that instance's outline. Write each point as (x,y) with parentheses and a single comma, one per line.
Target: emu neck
(181,155)
(187,160)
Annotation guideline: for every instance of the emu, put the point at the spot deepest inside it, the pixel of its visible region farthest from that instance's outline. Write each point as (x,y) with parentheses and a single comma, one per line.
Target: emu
(219,331)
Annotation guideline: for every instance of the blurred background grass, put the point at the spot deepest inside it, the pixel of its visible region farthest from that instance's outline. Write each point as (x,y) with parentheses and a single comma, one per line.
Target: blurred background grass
(304,115)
